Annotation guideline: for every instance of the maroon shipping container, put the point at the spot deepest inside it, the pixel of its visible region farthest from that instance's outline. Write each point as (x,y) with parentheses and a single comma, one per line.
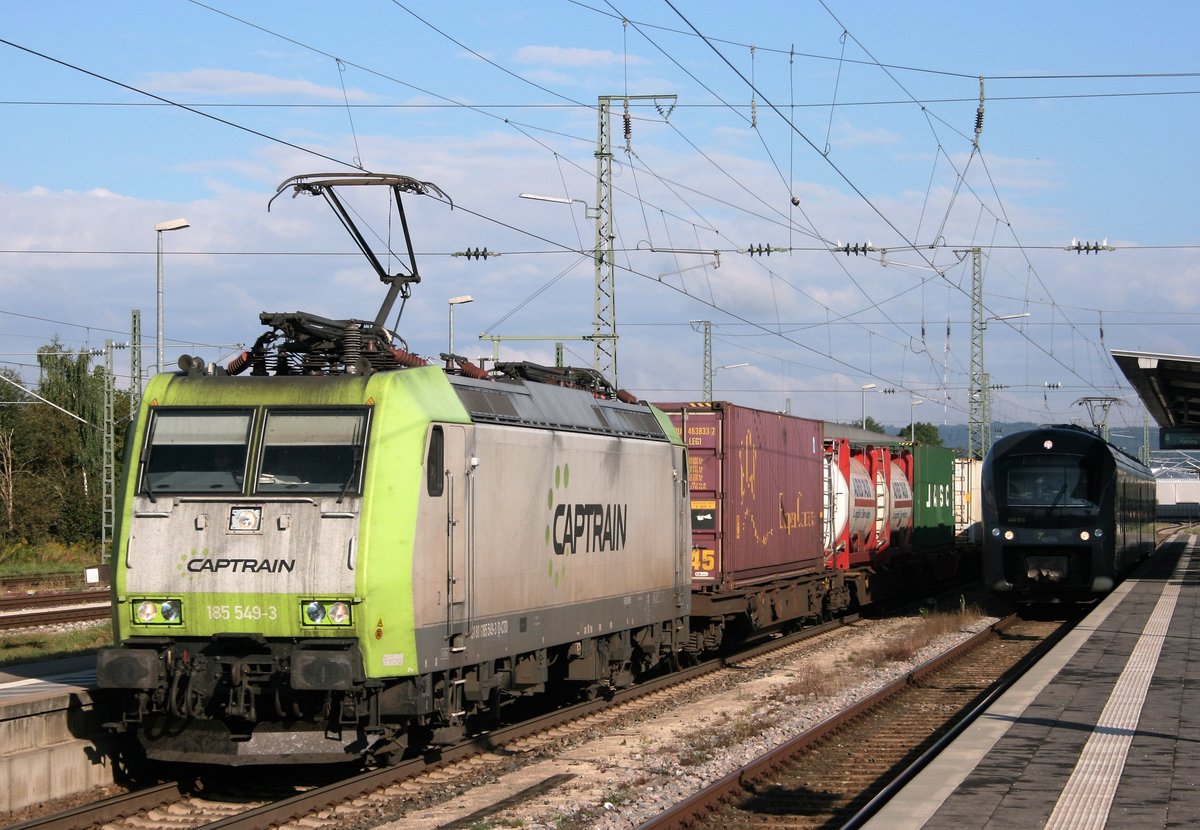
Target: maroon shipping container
(756,489)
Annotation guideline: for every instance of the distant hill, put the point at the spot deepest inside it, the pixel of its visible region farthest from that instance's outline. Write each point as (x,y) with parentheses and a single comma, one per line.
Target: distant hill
(955,435)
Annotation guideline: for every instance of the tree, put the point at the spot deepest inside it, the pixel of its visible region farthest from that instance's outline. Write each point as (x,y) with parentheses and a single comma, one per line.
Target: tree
(873,426)
(926,433)
(12,398)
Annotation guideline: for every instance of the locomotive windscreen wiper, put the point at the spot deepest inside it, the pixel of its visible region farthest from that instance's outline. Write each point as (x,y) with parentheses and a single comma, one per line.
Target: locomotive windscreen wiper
(1062,491)
(354,471)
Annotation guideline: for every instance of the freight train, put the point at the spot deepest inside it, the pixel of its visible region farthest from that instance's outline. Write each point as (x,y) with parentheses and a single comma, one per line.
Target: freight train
(334,550)
(796,519)
(1066,515)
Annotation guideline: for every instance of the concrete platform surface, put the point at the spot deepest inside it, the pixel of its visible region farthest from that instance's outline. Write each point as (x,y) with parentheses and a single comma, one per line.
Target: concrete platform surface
(1104,732)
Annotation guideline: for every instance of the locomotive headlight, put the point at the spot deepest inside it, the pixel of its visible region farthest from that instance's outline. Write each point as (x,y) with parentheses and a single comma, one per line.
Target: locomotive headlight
(325,612)
(1009,535)
(1098,532)
(996,532)
(1084,536)
(245,519)
(157,611)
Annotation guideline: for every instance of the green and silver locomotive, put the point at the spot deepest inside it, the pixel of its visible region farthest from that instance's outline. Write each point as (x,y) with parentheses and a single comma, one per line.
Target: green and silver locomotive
(345,553)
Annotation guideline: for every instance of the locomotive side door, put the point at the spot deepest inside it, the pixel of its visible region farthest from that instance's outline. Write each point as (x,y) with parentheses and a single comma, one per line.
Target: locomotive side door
(460,538)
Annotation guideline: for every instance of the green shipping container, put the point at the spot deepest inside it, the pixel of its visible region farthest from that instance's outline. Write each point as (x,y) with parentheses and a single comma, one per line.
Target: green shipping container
(933,497)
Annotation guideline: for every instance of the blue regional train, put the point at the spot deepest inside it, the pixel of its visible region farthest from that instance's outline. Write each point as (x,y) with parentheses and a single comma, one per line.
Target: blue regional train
(1066,515)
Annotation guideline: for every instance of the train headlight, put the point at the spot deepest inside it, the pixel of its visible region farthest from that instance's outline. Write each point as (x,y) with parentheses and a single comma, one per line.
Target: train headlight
(157,611)
(245,519)
(996,532)
(325,612)
(1009,535)
(1084,536)
(1098,532)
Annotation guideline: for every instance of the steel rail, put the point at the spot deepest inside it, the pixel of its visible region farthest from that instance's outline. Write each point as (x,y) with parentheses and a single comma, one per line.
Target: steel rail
(22,601)
(55,616)
(286,809)
(740,779)
(101,812)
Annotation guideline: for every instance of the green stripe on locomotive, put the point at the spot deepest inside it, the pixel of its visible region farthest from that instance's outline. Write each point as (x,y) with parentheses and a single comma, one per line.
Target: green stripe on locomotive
(402,406)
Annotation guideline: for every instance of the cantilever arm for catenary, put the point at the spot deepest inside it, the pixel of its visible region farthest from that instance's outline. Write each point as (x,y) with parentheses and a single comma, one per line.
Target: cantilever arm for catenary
(324,184)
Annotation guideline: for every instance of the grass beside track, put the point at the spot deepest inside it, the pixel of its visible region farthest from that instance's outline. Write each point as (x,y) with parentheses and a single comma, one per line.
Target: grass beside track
(23,559)
(52,644)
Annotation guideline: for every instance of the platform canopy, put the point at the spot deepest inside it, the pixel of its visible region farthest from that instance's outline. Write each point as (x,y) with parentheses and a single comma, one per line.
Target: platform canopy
(1168,384)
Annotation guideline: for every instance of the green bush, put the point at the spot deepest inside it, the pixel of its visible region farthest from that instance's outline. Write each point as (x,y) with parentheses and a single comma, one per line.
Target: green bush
(22,558)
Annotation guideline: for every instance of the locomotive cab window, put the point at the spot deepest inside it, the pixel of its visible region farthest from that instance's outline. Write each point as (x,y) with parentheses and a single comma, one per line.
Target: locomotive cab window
(196,451)
(1058,482)
(435,477)
(312,451)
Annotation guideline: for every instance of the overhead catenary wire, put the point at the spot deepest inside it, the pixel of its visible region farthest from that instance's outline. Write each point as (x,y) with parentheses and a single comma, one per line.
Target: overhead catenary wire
(784,222)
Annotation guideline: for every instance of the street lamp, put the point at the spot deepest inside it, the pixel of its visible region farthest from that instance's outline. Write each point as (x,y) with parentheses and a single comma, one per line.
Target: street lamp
(1000,318)
(863,395)
(912,423)
(560,200)
(719,368)
(172,225)
(453,301)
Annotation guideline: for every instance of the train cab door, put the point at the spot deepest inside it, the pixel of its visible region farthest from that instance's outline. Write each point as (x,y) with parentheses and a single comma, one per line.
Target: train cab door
(459,467)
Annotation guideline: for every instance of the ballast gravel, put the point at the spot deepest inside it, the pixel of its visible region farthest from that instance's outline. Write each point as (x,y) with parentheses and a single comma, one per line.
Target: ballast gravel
(627,773)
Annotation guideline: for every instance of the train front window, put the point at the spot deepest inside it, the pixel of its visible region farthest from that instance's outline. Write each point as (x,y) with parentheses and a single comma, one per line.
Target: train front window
(312,451)
(1061,482)
(194,451)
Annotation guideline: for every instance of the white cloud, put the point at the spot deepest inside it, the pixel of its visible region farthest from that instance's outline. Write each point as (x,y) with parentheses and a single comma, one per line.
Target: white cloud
(228,82)
(564,56)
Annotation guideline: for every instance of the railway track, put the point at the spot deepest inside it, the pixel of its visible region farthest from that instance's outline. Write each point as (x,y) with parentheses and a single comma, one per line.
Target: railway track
(826,776)
(50,582)
(36,610)
(373,794)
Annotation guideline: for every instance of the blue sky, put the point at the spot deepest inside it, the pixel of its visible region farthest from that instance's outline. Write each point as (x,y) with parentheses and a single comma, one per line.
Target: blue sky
(796,126)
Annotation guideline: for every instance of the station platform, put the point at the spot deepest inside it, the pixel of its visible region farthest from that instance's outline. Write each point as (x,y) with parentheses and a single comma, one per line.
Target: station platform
(1103,732)
(51,741)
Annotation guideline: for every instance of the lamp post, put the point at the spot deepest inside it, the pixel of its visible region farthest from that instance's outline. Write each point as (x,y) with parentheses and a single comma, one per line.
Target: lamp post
(559,200)
(863,395)
(912,422)
(719,368)
(453,301)
(172,225)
